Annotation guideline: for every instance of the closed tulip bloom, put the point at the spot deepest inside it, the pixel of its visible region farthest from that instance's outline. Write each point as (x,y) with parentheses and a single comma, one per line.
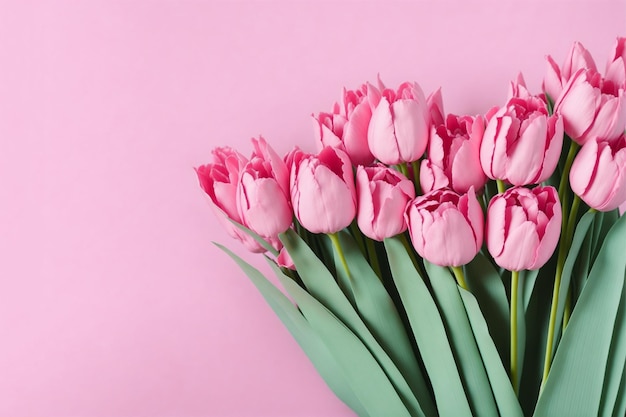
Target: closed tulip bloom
(556,77)
(323,193)
(435,108)
(523,227)
(219,180)
(399,128)
(521,143)
(616,67)
(446,228)
(592,107)
(454,155)
(382,194)
(598,174)
(263,197)
(346,127)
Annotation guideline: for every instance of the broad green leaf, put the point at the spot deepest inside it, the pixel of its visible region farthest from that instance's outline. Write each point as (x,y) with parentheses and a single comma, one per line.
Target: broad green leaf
(302,332)
(620,402)
(582,267)
(380,315)
(429,332)
(370,382)
(615,363)
(574,385)
(577,242)
(485,283)
(506,400)
(464,348)
(324,289)
(528,280)
(256,237)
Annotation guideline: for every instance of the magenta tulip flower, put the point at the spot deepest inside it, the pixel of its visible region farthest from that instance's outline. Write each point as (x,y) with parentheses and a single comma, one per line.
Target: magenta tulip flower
(616,67)
(446,228)
(382,194)
(399,128)
(454,155)
(521,143)
(263,197)
(346,127)
(523,227)
(556,77)
(598,174)
(592,107)
(219,180)
(323,193)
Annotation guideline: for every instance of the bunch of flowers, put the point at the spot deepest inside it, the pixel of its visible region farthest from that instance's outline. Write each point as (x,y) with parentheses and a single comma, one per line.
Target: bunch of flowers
(446,265)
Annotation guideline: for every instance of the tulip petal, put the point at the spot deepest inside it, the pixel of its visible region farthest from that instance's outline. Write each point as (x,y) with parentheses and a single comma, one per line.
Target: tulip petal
(380,134)
(578,108)
(411,126)
(525,157)
(447,240)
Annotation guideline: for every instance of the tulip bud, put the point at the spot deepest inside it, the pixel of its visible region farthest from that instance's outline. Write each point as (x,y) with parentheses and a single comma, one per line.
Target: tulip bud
(323,193)
(346,127)
(523,227)
(592,107)
(445,227)
(521,143)
(454,155)
(598,174)
(556,78)
(383,194)
(399,128)
(616,67)
(263,192)
(219,180)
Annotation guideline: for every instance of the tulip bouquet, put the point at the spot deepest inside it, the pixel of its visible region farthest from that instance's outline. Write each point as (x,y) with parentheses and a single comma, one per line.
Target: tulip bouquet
(441,265)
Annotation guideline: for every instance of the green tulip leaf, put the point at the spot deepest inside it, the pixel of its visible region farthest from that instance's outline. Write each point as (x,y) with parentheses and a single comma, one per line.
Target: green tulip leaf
(464,348)
(575,381)
(507,402)
(615,363)
(311,344)
(429,331)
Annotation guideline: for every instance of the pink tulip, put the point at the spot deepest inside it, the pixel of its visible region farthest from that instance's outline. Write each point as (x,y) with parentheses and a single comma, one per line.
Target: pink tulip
(523,227)
(445,227)
(383,194)
(219,180)
(346,127)
(454,155)
(521,143)
(616,67)
(399,128)
(263,192)
(556,77)
(598,174)
(284,260)
(322,190)
(592,107)
(435,108)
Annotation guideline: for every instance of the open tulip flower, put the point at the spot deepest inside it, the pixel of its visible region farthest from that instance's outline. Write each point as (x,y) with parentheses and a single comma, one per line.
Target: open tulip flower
(323,193)
(523,227)
(598,174)
(346,127)
(399,128)
(556,77)
(522,143)
(446,228)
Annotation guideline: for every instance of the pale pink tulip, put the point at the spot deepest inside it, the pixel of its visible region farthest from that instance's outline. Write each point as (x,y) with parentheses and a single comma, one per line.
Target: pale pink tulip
(445,227)
(346,127)
(382,194)
(616,67)
(219,180)
(454,155)
(556,77)
(435,108)
(323,193)
(263,197)
(399,128)
(523,227)
(598,174)
(592,107)
(521,143)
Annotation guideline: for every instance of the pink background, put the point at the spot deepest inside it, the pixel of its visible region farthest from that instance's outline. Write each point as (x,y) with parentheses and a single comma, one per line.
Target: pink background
(113,302)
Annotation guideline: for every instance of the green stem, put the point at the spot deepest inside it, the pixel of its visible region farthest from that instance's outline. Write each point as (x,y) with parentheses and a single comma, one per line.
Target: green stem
(571,222)
(573,148)
(403,169)
(373,257)
(501,186)
(416,177)
(568,309)
(514,300)
(460,277)
(334,237)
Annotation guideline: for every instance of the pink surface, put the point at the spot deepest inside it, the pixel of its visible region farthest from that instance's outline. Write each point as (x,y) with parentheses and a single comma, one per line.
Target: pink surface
(113,302)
